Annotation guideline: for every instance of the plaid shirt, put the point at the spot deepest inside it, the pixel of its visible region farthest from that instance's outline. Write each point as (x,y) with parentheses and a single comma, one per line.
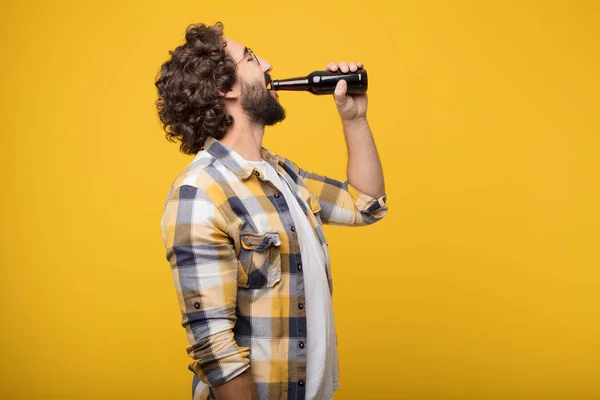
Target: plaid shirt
(236,264)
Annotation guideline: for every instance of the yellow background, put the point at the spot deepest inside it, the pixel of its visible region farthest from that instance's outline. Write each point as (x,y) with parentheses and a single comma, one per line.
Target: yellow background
(481,283)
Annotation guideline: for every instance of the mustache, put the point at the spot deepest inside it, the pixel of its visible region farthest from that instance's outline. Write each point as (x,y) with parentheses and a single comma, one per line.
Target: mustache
(267,79)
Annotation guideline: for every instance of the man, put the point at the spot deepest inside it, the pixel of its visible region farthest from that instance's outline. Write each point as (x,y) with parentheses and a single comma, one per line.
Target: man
(243,229)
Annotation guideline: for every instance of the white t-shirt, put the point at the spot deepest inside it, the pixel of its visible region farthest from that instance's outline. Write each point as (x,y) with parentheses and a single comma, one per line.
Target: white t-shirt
(321,357)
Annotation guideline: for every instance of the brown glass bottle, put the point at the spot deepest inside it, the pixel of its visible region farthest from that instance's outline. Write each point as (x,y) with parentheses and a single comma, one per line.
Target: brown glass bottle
(324,82)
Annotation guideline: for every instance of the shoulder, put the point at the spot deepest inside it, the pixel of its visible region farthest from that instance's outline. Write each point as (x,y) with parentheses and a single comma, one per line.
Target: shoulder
(196,178)
(194,196)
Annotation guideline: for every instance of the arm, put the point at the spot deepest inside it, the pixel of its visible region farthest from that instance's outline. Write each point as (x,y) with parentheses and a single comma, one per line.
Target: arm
(204,267)
(364,166)
(361,199)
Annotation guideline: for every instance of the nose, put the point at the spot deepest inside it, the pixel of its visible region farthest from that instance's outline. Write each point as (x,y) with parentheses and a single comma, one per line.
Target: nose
(264,64)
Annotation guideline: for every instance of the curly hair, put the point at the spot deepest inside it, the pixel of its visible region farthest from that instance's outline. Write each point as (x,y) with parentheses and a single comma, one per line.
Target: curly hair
(189,105)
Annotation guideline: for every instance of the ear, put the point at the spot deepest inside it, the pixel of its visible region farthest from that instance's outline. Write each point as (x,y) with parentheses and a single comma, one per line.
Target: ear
(232,94)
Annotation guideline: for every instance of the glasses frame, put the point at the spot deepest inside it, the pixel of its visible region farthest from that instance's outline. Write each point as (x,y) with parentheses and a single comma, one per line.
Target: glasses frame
(250,53)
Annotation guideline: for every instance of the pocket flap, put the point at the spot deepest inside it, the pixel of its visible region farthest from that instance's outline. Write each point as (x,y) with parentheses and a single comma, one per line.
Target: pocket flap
(259,241)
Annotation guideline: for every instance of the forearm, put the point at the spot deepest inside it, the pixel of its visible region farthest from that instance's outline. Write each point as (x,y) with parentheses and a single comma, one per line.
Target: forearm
(239,388)
(364,166)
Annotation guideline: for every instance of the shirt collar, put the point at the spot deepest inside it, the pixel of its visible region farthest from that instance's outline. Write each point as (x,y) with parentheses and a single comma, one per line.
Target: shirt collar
(236,163)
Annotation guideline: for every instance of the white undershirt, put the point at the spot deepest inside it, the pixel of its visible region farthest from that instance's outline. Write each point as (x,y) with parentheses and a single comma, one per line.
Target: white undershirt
(321,357)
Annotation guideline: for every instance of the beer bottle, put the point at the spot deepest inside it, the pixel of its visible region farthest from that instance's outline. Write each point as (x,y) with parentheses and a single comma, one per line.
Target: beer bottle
(324,82)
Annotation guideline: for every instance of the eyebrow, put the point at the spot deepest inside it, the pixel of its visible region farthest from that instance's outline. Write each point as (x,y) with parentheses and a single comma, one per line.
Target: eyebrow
(246,51)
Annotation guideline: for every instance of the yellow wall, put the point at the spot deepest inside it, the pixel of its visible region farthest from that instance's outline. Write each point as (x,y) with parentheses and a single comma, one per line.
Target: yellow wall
(481,283)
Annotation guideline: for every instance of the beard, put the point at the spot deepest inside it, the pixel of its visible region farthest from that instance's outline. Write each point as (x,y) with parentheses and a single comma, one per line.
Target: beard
(261,107)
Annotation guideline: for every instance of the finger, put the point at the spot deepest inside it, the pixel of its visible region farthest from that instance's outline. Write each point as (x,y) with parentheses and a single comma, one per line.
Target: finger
(360,64)
(353,67)
(332,66)
(340,93)
(343,66)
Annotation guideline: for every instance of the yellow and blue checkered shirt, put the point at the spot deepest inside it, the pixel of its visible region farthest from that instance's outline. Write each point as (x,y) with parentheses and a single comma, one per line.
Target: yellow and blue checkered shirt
(235,259)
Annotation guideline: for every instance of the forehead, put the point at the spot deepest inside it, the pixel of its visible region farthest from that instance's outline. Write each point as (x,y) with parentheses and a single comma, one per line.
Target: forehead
(234,48)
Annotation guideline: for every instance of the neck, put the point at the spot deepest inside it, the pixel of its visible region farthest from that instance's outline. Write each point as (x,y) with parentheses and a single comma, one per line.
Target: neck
(245,138)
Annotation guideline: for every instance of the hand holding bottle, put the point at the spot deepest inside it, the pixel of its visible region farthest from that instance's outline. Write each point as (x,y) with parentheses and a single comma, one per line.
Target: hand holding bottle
(347,82)
(351,107)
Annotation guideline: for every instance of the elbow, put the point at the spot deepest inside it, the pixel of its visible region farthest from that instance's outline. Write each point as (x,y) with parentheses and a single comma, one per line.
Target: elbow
(376,210)
(369,218)
(367,210)
(218,358)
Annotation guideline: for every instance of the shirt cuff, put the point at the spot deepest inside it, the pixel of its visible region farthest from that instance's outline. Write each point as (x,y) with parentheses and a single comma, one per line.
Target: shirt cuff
(366,203)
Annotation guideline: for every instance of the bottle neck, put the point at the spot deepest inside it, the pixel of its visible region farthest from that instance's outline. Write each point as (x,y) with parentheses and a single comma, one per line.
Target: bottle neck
(290,84)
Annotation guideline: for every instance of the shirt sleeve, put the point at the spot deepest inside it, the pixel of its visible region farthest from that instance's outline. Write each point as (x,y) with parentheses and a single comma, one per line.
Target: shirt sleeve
(204,267)
(342,203)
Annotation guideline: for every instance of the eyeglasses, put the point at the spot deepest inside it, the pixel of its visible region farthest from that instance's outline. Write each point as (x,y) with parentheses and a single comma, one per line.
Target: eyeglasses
(248,53)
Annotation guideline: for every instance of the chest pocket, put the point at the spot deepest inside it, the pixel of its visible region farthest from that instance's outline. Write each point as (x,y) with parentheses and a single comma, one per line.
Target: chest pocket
(259,262)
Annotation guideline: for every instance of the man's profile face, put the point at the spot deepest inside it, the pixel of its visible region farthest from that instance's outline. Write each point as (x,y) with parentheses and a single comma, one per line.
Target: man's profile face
(261,105)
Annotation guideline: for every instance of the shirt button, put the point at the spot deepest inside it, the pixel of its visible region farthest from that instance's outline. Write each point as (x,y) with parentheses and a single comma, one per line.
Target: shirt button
(277,195)
(301,344)
(301,383)
(300,306)
(293,228)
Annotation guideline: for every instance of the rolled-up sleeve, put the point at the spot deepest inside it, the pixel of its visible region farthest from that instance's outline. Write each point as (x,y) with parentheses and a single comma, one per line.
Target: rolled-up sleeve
(204,268)
(342,203)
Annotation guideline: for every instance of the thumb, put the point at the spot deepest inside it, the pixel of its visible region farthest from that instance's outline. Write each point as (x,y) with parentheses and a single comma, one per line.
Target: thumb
(340,92)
